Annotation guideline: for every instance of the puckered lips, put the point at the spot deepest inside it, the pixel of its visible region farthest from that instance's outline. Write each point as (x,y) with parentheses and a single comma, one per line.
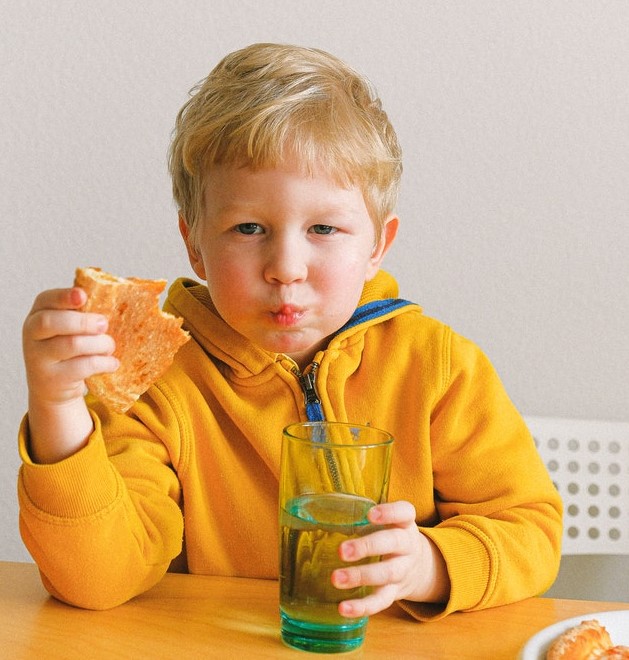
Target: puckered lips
(287,315)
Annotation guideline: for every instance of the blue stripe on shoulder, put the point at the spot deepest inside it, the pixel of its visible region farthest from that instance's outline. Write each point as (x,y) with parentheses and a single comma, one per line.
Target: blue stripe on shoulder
(373,310)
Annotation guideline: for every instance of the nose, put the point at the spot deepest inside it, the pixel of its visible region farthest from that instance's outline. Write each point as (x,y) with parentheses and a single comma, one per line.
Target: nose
(286,261)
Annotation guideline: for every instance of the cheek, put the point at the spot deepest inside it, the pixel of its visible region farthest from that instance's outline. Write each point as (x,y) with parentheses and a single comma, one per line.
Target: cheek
(341,283)
(222,263)
(349,269)
(227,280)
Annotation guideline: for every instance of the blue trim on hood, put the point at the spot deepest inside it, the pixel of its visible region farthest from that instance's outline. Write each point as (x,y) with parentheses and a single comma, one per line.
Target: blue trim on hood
(373,310)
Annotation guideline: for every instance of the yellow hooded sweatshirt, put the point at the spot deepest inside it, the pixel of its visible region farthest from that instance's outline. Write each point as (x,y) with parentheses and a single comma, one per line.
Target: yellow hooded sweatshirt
(191,471)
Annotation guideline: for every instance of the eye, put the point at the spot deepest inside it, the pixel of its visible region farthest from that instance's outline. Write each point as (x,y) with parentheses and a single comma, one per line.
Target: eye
(324,230)
(248,228)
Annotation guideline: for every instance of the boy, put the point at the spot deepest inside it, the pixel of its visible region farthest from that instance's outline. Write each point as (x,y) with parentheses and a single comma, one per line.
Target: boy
(285,169)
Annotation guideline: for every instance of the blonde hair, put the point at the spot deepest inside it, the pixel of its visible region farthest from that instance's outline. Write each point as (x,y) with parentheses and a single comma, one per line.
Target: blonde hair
(268,100)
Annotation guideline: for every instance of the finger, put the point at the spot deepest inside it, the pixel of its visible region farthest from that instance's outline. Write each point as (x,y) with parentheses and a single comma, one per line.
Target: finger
(392,540)
(73,298)
(378,600)
(63,381)
(392,513)
(69,374)
(379,573)
(67,347)
(48,323)
(80,368)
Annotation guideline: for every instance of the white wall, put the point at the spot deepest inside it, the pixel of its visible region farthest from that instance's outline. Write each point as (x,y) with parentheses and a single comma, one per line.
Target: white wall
(514,119)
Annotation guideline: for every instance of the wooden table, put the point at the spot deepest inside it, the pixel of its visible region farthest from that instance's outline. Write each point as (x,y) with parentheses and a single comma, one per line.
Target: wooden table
(188,616)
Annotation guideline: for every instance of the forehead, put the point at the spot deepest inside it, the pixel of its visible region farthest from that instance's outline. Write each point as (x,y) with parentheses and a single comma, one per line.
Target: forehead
(286,182)
(291,180)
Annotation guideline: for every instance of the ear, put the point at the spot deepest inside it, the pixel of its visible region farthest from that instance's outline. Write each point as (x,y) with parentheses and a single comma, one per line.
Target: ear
(196,260)
(387,236)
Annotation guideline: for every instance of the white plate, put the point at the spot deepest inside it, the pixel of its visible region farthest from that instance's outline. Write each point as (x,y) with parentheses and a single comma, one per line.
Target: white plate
(616,622)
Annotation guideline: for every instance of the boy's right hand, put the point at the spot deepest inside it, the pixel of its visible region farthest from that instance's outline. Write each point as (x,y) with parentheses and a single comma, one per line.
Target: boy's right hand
(62,347)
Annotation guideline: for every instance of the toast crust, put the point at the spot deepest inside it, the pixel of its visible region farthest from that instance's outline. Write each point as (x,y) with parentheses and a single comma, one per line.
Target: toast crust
(146,337)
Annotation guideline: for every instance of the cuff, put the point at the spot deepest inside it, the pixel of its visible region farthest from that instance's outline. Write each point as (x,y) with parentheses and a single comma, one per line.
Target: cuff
(81,485)
(468,561)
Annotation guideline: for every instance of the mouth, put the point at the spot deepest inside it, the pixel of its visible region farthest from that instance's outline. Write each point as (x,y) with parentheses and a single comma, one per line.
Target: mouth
(288,315)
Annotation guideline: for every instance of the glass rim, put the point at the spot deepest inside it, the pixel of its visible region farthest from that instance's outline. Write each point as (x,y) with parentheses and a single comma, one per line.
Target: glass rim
(386,437)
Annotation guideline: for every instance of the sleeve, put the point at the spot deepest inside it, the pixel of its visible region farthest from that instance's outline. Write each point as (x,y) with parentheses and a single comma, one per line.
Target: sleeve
(104,524)
(500,514)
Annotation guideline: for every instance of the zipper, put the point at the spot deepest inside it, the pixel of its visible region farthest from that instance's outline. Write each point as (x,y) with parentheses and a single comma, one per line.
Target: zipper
(314,412)
(307,380)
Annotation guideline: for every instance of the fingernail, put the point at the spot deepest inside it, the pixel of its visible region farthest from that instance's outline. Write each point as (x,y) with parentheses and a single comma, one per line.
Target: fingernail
(375,514)
(347,551)
(101,324)
(76,297)
(346,609)
(340,577)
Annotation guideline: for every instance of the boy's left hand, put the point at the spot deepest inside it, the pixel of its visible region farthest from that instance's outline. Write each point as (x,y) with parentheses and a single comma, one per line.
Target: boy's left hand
(411,566)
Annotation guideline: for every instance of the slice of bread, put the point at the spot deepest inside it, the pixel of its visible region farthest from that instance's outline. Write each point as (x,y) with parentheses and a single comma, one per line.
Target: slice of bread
(146,337)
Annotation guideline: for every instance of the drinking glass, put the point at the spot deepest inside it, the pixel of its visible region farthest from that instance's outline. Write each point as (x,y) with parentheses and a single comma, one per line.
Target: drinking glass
(331,474)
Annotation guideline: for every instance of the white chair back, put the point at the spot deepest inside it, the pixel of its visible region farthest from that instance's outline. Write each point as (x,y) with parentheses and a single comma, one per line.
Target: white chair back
(589,464)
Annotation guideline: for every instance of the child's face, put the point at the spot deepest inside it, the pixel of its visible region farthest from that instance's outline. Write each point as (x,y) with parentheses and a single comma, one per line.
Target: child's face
(285,255)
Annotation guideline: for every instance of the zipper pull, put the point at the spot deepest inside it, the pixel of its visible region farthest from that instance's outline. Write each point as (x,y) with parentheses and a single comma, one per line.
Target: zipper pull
(307,381)
(308,385)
